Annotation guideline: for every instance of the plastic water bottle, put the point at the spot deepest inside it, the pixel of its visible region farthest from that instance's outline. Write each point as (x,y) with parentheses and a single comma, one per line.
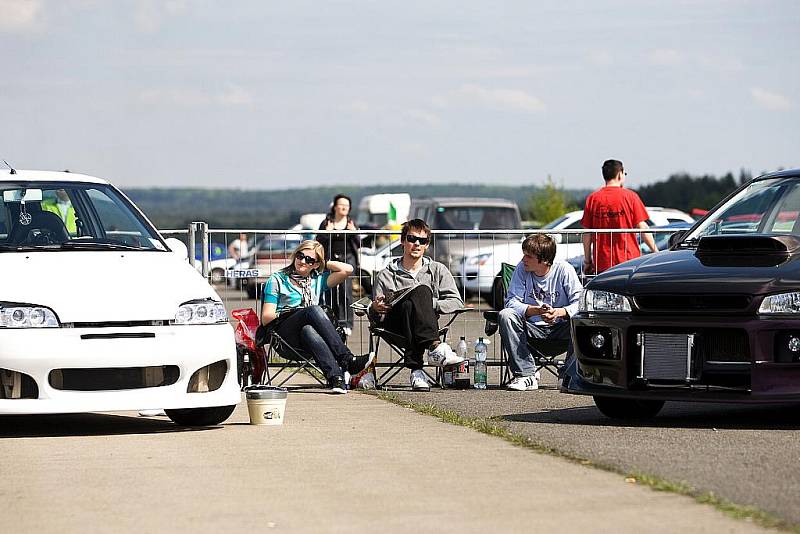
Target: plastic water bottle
(461,348)
(480,364)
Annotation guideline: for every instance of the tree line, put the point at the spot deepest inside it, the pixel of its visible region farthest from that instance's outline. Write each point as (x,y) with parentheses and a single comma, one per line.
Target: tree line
(264,209)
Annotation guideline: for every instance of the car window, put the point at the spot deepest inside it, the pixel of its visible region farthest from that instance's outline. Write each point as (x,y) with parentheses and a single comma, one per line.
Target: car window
(71,215)
(475,218)
(557,222)
(117,222)
(771,204)
(573,238)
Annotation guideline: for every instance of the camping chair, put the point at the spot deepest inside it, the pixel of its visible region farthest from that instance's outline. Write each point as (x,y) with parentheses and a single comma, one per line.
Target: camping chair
(280,355)
(548,354)
(397,345)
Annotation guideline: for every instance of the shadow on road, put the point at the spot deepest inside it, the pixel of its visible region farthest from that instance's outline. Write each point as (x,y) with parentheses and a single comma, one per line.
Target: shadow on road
(677,415)
(86,424)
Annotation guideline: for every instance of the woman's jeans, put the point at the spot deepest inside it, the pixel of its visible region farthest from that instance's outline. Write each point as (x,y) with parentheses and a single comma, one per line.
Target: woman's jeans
(310,330)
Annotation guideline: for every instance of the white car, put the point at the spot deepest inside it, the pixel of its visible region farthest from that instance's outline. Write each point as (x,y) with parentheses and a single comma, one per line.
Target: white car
(479,271)
(85,323)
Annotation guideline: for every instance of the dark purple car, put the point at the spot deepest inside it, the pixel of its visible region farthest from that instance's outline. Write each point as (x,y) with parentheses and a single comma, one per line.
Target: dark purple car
(715,318)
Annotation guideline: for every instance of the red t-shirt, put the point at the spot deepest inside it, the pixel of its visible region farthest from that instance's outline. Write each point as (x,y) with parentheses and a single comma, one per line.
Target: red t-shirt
(608,208)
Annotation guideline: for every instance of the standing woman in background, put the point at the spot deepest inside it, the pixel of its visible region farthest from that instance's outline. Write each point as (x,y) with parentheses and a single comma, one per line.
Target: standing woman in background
(341,247)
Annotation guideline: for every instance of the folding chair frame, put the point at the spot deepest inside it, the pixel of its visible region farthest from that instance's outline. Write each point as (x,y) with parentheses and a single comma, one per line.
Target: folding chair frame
(395,343)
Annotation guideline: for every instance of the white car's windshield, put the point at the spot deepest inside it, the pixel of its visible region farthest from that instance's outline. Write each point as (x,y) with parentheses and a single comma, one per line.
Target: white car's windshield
(72,216)
(764,207)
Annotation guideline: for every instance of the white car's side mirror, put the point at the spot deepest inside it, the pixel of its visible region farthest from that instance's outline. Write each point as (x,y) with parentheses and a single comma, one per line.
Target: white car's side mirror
(178,248)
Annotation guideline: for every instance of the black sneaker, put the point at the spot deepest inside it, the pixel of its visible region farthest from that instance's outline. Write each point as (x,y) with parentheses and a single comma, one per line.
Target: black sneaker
(359,363)
(337,385)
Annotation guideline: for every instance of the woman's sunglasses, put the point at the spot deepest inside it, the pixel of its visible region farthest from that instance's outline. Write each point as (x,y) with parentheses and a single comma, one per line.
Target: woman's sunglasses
(417,239)
(310,260)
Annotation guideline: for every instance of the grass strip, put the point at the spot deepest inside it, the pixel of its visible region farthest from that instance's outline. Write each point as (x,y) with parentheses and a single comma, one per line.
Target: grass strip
(491,427)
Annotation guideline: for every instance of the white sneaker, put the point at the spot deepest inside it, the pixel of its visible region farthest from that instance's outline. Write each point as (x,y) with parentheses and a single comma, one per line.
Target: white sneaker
(419,381)
(443,355)
(524,383)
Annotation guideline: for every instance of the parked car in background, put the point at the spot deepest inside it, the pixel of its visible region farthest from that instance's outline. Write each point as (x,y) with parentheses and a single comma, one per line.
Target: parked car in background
(480,271)
(271,254)
(714,318)
(458,213)
(83,328)
(660,235)
(218,261)
(570,245)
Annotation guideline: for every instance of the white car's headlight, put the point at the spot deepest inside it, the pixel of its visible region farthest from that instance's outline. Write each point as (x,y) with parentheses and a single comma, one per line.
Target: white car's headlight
(479,260)
(594,300)
(201,312)
(12,316)
(783,303)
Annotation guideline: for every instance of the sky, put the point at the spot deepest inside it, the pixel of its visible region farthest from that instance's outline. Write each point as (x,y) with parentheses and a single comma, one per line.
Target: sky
(260,94)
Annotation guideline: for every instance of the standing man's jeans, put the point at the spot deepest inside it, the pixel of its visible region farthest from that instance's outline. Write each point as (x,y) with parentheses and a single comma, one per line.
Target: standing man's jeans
(512,336)
(310,330)
(415,319)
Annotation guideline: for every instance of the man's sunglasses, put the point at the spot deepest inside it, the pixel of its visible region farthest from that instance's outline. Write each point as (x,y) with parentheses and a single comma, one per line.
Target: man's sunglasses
(417,239)
(310,260)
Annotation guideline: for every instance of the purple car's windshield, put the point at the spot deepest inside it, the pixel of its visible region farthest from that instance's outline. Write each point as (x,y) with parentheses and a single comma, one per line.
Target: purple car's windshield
(764,207)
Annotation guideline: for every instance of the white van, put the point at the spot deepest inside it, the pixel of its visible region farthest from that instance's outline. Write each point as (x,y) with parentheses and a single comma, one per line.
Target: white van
(100,313)
(383,210)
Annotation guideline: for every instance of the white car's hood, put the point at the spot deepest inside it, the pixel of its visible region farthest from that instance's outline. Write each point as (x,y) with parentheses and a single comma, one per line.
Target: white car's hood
(100,286)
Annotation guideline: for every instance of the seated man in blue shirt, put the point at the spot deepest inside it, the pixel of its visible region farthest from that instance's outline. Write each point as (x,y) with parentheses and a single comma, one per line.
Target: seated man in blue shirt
(541,297)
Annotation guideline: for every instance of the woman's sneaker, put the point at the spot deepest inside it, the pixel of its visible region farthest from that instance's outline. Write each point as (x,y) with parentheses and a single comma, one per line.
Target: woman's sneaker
(523,383)
(337,385)
(443,355)
(419,381)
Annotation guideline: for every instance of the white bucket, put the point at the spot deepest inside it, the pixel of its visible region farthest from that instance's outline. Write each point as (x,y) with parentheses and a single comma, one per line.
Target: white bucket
(266,404)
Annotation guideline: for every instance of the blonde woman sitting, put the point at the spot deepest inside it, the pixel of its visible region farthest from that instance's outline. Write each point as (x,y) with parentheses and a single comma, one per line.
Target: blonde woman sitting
(291,298)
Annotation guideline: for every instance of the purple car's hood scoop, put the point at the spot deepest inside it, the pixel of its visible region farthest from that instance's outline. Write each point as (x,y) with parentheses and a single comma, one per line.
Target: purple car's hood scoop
(746,250)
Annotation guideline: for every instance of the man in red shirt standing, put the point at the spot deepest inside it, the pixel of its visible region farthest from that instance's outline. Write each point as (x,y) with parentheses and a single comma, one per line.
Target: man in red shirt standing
(613,207)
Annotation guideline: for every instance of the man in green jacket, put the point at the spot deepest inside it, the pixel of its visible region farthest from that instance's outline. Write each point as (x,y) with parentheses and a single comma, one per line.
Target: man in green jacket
(62,207)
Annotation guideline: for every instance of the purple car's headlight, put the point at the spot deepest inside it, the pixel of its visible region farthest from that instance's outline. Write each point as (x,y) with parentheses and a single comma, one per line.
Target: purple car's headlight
(594,300)
(780,304)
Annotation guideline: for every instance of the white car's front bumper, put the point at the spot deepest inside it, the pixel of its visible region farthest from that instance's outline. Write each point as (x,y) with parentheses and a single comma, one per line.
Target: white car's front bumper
(37,352)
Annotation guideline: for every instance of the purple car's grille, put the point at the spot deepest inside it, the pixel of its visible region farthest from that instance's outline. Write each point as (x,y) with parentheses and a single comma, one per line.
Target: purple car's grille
(693,303)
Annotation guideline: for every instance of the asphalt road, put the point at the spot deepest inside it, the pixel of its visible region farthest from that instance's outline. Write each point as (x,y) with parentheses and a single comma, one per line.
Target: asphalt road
(749,455)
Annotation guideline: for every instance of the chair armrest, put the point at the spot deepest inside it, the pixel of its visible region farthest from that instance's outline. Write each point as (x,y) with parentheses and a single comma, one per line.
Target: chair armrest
(455,313)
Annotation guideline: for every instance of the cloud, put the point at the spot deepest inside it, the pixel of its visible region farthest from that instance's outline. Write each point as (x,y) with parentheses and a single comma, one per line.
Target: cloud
(235,95)
(360,107)
(601,58)
(426,117)
(665,57)
(19,15)
(771,101)
(231,96)
(499,99)
(149,15)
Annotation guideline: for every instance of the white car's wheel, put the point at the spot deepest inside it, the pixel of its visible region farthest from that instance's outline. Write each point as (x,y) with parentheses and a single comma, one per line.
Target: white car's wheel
(200,416)
(217,276)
